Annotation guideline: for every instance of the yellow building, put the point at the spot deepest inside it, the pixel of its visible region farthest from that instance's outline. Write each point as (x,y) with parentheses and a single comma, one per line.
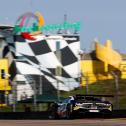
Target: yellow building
(4,75)
(101,63)
(4,81)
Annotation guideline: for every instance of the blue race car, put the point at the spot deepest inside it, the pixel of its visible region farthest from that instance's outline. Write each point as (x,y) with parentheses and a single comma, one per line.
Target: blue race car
(80,105)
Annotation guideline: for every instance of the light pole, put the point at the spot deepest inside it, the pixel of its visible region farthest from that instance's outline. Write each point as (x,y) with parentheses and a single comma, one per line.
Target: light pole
(40,87)
(13,95)
(86,78)
(5,88)
(116,88)
(35,99)
(79,71)
(40,81)
(58,70)
(6,77)
(86,81)
(14,92)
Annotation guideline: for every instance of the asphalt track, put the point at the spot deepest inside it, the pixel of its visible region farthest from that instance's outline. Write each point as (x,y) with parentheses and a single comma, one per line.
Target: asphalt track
(77,122)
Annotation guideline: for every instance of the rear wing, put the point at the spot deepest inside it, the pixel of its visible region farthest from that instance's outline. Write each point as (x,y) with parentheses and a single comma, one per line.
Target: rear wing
(93,95)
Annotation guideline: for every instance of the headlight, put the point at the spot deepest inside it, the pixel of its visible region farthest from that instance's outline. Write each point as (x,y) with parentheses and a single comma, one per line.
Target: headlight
(110,108)
(77,106)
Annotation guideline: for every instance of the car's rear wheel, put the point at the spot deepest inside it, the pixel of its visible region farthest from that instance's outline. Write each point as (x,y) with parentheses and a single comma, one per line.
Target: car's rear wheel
(53,115)
(53,112)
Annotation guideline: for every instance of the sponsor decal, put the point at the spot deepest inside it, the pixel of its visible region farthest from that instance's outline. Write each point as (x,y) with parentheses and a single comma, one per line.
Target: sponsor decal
(29,25)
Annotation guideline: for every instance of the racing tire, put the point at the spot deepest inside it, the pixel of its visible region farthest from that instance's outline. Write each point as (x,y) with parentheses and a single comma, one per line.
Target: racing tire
(53,116)
(53,112)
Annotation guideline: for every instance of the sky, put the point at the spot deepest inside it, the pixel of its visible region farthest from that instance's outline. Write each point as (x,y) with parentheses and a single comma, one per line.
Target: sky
(100,19)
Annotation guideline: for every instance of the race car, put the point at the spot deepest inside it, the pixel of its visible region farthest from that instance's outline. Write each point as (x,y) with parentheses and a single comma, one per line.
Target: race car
(81,105)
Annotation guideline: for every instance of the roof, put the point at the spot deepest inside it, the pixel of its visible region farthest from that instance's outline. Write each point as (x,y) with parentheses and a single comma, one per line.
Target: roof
(5,26)
(92,56)
(4,30)
(89,56)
